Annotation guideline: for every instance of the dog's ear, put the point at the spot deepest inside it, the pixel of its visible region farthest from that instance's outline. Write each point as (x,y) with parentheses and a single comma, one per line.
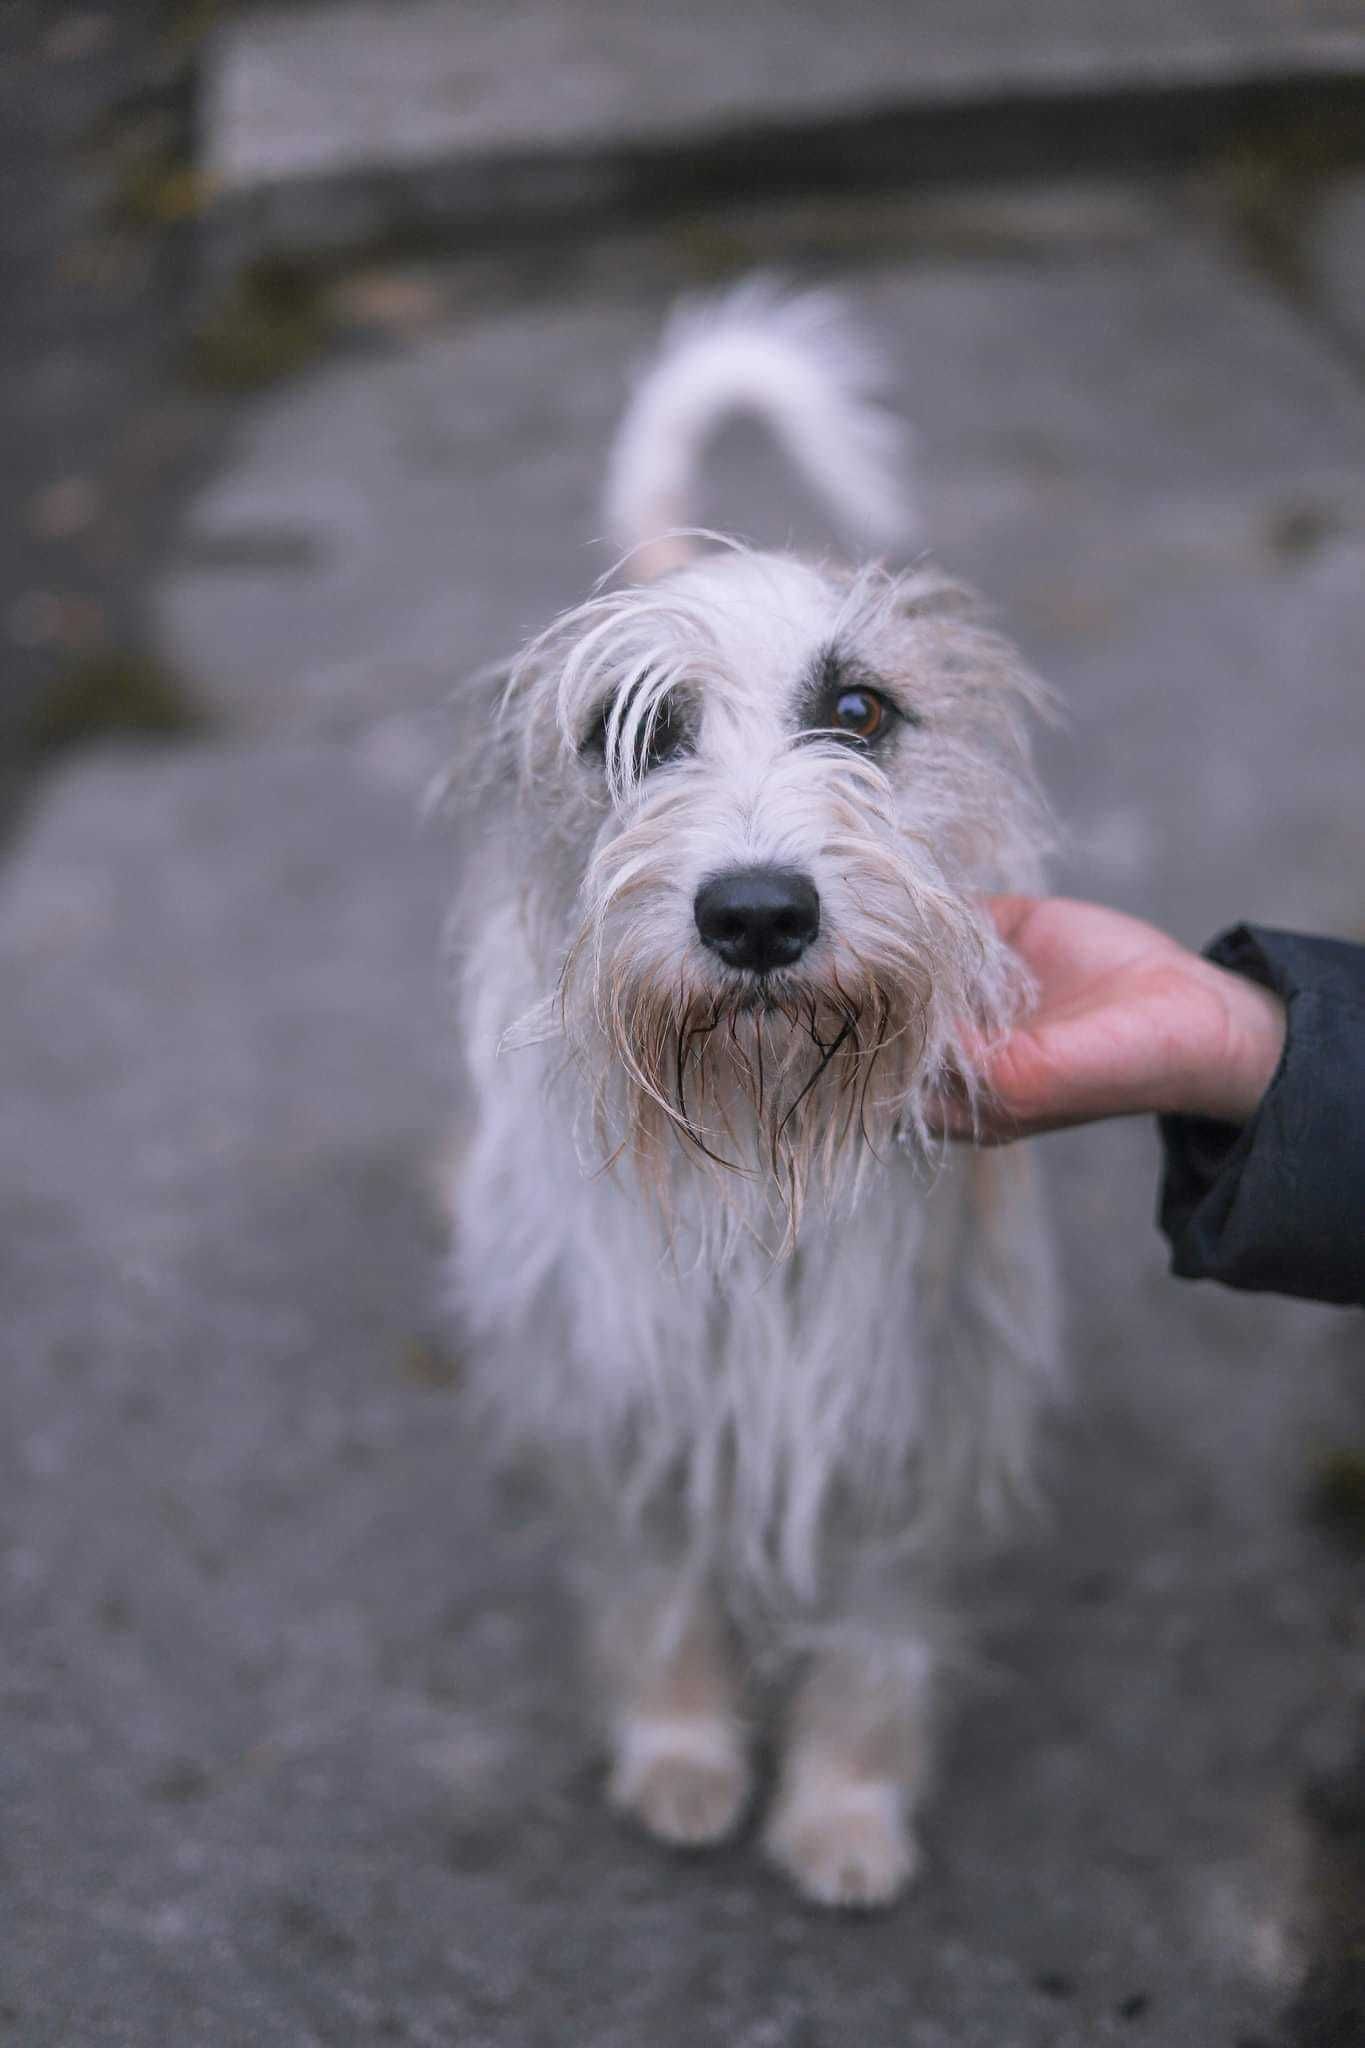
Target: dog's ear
(927,593)
(961,634)
(481,771)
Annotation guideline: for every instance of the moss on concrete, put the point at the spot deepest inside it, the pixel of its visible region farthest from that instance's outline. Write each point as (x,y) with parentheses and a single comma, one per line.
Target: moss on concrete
(272,322)
(158,191)
(1269,189)
(114,692)
(1336,1496)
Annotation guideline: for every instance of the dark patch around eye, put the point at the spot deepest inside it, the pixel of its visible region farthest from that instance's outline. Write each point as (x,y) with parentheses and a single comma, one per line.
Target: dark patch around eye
(827,703)
(670,736)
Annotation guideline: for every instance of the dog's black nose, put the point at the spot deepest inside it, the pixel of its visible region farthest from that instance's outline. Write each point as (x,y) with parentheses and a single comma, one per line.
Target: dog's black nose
(758,918)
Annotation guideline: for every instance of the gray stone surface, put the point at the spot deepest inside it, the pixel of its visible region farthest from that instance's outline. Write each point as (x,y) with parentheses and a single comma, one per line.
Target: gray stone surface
(1336,257)
(290,1750)
(94,439)
(289,1745)
(309,91)
(1154,469)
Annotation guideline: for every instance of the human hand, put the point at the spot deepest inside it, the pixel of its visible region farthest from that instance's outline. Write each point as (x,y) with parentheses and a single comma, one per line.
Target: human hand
(1127,1021)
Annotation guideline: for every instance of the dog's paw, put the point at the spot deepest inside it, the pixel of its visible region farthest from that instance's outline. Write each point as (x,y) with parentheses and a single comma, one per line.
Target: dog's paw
(850,1848)
(686,1781)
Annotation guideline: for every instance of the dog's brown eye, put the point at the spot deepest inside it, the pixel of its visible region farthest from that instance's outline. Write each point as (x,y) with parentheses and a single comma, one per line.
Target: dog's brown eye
(860,712)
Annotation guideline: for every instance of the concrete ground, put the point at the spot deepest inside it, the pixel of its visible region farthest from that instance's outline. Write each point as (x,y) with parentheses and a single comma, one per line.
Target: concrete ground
(291,1745)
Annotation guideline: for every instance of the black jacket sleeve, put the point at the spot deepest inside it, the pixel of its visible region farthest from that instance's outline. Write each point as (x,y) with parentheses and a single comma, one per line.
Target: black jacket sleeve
(1279,1205)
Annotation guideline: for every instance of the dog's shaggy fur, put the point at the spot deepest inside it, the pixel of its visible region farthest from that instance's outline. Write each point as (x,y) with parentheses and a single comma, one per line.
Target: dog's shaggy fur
(785,1354)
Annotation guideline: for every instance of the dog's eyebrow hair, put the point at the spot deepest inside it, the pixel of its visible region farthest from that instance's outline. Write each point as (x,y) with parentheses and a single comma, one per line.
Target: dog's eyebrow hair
(669,729)
(831,673)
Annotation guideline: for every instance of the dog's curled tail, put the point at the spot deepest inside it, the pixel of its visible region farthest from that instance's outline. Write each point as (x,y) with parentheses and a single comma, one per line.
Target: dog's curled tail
(796,361)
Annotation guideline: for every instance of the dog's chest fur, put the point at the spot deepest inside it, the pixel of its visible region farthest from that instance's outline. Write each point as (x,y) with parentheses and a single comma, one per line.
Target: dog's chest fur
(873,1380)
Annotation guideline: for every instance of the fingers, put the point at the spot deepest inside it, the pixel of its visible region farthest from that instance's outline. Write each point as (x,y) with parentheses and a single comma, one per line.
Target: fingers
(1024,1085)
(961,1128)
(1011,913)
(992,1123)
(977,1119)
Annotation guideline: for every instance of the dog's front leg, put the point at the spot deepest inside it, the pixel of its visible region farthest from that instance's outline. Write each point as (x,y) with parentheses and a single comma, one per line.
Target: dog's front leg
(856,1761)
(673,1695)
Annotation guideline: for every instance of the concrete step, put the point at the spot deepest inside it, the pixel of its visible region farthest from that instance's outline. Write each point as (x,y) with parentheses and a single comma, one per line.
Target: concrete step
(327,126)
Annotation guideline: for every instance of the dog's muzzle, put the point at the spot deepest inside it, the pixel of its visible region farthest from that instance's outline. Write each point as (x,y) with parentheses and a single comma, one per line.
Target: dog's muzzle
(758,919)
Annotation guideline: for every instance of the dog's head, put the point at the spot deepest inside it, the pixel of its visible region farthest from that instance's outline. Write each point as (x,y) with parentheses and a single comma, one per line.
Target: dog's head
(757,803)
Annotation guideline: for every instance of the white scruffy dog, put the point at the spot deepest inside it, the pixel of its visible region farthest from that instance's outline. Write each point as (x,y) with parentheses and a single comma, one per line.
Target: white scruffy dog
(725,941)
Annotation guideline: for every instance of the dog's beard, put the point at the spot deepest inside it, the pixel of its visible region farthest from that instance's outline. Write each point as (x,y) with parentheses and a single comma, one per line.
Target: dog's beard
(790,1085)
(783,1087)
(776,1082)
